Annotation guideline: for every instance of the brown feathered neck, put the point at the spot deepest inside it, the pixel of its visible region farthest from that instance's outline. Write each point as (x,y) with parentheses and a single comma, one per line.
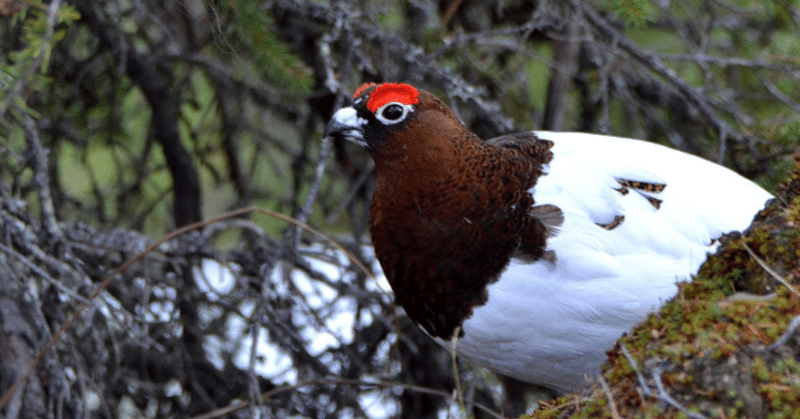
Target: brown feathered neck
(449,211)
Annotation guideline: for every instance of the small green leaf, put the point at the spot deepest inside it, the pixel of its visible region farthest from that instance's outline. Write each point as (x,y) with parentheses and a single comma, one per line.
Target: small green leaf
(634,12)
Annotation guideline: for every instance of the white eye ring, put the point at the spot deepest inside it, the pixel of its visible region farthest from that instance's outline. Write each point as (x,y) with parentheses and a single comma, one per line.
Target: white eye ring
(393,117)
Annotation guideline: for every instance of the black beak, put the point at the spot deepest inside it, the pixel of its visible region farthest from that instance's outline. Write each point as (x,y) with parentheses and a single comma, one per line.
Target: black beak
(347,125)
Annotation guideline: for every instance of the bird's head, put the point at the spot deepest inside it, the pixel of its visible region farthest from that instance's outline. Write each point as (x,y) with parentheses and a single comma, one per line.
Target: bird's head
(396,121)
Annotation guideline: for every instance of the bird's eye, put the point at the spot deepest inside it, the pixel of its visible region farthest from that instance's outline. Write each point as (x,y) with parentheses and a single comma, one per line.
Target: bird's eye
(393,113)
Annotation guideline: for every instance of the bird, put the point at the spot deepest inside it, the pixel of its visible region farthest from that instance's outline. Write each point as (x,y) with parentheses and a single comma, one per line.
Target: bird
(534,251)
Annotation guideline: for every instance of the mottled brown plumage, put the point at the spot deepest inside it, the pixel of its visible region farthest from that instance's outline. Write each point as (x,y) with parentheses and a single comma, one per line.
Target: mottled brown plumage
(626,184)
(449,211)
(618,219)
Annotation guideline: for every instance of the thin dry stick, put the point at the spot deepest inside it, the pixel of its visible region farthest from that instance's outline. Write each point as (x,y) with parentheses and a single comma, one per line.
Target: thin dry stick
(453,344)
(312,230)
(636,370)
(661,390)
(611,403)
(665,397)
(790,329)
(122,268)
(90,298)
(340,381)
(770,271)
(452,8)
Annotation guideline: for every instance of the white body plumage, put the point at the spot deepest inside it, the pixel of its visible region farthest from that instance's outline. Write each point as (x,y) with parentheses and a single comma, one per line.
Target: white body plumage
(549,322)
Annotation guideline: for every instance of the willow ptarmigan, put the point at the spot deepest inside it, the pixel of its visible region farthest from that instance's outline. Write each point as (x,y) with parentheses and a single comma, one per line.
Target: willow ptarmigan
(540,248)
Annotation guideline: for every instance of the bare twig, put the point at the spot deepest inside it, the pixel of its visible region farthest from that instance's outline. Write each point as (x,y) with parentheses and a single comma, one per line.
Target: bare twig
(339,382)
(41,177)
(758,63)
(665,397)
(794,324)
(653,62)
(122,268)
(771,271)
(456,375)
(636,369)
(44,275)
(661,392)
(355,186)
(612,404)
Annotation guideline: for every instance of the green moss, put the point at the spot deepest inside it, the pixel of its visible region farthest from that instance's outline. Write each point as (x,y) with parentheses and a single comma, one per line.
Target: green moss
(710,347)
(760,370)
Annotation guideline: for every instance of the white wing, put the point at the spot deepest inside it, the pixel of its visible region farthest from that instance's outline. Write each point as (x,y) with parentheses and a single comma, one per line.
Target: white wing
(701,200)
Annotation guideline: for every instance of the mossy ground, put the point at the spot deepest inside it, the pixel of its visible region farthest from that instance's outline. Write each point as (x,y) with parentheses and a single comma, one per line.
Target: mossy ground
(709,346)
